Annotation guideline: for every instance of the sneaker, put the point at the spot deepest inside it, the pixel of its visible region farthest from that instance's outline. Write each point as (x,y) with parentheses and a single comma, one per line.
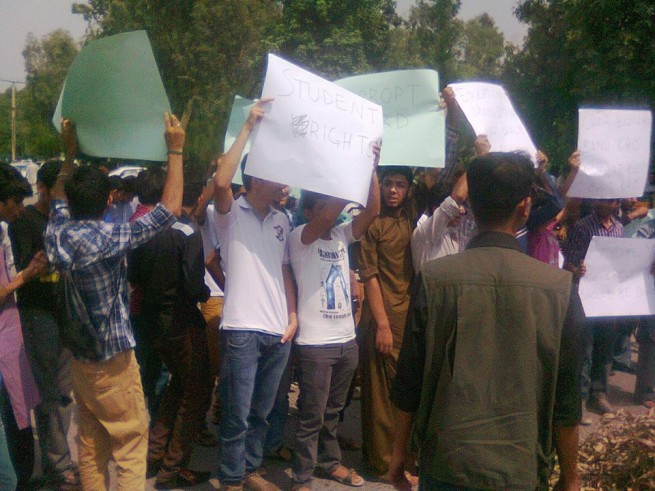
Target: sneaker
(598,403)
(255,482)
(186,478)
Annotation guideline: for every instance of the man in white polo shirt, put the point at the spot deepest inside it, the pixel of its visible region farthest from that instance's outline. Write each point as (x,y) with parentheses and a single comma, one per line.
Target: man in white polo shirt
(259,315)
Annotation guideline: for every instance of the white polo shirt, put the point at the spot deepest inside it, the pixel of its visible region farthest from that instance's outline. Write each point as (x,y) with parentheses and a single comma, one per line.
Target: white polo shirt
(253,252)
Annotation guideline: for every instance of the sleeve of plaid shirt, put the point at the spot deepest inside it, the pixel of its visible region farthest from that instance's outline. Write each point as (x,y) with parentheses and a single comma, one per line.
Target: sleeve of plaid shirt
(86,245)
(577,244)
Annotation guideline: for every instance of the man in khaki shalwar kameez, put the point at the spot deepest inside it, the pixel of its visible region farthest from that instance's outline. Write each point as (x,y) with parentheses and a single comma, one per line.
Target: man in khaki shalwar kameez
(386,269)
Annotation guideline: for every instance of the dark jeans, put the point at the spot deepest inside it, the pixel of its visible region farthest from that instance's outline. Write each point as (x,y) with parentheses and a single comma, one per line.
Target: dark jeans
(20,442)
(51,366)
(277,419)
(181,411)
(7,474)
(251,368)
(600,338)
(325,375)
(154,377)
(646,362)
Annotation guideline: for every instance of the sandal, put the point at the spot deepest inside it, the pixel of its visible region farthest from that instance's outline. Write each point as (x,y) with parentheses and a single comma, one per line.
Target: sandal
(351,477)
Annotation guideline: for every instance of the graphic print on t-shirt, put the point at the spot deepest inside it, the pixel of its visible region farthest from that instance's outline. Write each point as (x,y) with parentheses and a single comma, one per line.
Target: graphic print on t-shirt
(335,294)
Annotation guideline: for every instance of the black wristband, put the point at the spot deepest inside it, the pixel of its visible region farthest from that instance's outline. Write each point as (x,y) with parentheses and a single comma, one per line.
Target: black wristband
(174,152)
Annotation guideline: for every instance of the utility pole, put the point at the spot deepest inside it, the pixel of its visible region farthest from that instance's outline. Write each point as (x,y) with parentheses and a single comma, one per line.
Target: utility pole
(13,122)
(13,115)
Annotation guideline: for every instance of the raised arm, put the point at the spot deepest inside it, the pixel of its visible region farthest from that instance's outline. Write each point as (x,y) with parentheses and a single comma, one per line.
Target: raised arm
(70,149)
(174,186)
(574,166)
(362,221)
(322,221)
(227,167)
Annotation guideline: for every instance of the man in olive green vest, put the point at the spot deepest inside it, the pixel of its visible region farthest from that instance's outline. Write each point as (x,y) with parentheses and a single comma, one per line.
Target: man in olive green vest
(489,370)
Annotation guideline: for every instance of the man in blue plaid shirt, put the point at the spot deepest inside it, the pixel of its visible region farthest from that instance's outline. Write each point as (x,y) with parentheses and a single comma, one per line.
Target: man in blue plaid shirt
(91,257)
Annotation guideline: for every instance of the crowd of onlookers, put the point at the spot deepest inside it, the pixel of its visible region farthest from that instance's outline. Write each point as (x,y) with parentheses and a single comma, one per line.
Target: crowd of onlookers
(157,306)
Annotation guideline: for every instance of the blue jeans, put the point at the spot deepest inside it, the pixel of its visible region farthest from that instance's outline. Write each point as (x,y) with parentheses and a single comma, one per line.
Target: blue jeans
(252,364)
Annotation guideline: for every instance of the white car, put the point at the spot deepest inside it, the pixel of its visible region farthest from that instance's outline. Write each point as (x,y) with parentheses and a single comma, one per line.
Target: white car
(126,171)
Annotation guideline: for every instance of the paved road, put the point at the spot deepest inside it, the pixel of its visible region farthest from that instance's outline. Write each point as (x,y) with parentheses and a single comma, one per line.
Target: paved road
(620,394)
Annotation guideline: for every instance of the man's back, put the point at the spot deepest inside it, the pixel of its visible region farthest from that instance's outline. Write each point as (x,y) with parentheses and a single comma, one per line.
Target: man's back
(493,320)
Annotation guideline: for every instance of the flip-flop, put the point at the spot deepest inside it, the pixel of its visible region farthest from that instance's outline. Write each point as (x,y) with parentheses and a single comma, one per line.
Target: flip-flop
(350,479)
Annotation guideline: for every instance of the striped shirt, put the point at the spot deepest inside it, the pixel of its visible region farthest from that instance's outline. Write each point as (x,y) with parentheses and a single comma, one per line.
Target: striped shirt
(579,239)
(94,252)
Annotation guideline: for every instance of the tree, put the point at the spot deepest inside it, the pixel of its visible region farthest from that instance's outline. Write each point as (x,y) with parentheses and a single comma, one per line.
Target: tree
(581,52)
(480,48)
(46,63)
(206,53)
(337,37)
(434,32)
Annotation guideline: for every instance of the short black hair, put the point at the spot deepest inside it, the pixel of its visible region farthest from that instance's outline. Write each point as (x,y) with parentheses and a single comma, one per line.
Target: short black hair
(246,179)
(87,192)
(497,182)
(115,182)
(150,185)
(13,184)
(47,174)
(389,170)
(191,193)
(310,198)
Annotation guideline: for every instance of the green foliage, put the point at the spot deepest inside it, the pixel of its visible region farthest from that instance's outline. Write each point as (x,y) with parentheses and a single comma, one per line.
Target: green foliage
(434,32)
(581,52)
(46,63)
(480,49)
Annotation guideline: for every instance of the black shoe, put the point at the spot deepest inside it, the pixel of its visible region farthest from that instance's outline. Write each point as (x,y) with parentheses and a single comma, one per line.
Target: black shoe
(186,478)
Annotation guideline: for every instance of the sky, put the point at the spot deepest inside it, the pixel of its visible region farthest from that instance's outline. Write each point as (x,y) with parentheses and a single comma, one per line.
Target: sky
(19,17)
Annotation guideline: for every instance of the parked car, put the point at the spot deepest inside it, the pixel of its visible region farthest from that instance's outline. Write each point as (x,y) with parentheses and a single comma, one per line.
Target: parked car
(126,171)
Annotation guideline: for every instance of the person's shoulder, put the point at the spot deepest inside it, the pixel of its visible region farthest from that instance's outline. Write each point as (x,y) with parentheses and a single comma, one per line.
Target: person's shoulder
(185,229)
(294,235)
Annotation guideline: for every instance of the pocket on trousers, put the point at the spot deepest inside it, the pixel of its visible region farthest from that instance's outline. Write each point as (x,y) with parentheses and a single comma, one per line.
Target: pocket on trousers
(239,339)
(116,403)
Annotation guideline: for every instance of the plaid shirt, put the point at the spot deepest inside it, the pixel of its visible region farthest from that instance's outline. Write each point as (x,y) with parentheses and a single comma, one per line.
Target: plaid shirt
(579,239)
(95,254)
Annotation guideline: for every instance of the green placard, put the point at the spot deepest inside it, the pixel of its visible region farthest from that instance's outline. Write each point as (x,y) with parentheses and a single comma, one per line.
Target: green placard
(414,124)
(240,110)
(115,96)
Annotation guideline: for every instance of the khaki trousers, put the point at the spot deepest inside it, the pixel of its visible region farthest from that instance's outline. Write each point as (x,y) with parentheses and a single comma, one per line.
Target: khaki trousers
(212,310)
(113,422)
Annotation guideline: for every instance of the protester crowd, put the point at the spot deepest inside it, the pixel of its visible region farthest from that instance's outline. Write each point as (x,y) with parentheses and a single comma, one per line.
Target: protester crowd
(160,306)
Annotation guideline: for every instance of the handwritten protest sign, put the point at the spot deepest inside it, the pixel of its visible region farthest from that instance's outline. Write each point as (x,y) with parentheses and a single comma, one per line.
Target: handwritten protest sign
(618,281)
(315,134)
(614,149)
(414,124)
(240,109)
(115,96)
(490,112)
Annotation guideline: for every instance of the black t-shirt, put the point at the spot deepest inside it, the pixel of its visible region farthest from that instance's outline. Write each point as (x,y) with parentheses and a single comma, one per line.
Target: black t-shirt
(26,234)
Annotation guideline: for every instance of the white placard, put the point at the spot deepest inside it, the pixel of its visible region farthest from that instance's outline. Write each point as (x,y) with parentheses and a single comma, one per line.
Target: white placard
(618,281)
(315,135)
(490,112)
(614,149)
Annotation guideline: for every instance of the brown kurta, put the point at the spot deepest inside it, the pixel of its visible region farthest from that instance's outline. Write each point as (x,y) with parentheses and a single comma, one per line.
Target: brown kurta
(385,253)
